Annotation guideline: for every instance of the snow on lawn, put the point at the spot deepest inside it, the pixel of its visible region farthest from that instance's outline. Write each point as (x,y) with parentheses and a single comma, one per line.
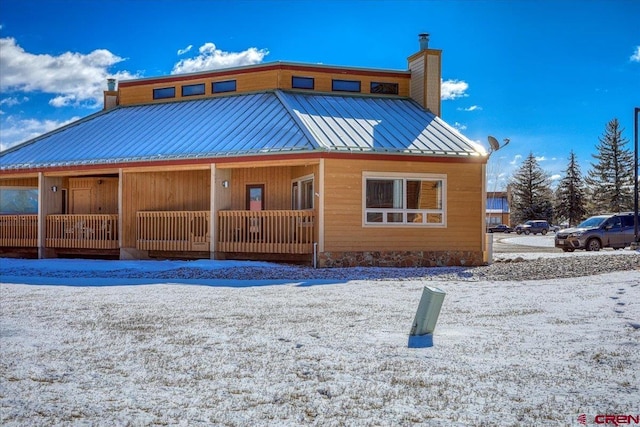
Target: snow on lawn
(505,353)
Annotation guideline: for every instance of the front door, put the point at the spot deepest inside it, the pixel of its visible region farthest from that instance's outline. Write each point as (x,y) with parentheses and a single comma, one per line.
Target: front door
(255,197)
(81,201)
(255,203)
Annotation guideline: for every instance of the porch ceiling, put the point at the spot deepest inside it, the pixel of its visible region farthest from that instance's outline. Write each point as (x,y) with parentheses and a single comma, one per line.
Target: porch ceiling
(245,124)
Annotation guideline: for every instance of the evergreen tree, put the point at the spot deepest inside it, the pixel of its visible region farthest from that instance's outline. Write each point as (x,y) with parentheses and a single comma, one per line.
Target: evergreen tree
(532,195)
(610,180)
(570,194)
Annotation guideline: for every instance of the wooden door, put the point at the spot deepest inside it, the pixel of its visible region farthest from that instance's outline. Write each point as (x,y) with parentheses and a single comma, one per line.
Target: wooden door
(81,201)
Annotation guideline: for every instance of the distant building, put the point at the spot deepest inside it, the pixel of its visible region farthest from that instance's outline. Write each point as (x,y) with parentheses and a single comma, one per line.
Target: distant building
(335,166)
(498,207)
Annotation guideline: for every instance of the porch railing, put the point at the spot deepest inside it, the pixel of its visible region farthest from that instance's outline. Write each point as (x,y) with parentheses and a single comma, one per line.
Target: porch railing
(173,231)
(19,230)
(82,231)
(277,231)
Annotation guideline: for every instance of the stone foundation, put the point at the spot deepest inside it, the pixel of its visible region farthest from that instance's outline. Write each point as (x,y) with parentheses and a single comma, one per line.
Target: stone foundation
(400,259)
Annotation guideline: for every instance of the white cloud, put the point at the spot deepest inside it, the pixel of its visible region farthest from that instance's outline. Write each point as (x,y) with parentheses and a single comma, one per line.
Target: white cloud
(636,55)
(555,177)
(472,108)
(459,126)
(185,50)
(516,159)
(212,58)
(452,89)
(73,78)
(15,131)
(541,159)
(12,101)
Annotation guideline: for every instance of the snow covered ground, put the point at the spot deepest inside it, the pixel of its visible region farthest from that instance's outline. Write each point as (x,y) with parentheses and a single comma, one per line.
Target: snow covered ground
(106,351)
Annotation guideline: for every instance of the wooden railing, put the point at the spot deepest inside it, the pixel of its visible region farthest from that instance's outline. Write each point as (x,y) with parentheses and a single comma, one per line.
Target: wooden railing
(278,231)
(19,230)
(173,231)
(85,231)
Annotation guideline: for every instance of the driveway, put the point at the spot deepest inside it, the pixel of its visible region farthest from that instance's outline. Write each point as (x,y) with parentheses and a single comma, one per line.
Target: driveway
(513,243)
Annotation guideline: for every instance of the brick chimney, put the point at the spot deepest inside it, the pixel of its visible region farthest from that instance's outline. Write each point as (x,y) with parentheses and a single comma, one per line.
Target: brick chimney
(110,95)
(426,73)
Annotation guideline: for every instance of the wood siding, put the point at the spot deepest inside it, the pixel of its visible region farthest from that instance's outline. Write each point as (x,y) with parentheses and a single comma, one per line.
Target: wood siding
(277,184)
(161,191)
(19,182)
(343,224)
(142,93)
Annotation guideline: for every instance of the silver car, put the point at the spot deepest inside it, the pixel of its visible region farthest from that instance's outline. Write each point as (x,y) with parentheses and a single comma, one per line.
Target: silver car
(602,231)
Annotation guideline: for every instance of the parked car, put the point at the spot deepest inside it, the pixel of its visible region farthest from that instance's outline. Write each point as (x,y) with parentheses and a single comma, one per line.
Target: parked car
(533,227)
(602,231)
(500,228)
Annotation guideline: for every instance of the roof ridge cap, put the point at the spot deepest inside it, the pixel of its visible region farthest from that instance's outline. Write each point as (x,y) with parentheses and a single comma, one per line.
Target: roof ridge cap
(315,142)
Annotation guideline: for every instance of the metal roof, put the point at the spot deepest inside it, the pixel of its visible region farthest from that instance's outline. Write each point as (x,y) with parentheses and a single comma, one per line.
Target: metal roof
(243,124)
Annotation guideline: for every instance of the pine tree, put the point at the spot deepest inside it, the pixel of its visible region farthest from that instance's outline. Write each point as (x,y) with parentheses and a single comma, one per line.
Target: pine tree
(570,194)
(532,193)
(610,180)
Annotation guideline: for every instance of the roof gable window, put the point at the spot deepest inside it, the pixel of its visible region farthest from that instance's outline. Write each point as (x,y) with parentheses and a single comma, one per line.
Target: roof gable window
(225,86)
(191,90)
(302,82)
(164,92)
(384,88)
(345,85)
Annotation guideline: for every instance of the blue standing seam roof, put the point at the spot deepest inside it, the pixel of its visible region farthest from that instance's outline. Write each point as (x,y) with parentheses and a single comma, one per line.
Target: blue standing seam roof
(244,124)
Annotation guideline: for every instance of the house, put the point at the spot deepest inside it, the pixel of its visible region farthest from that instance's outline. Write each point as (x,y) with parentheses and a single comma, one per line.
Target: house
(498,207)
(333,166)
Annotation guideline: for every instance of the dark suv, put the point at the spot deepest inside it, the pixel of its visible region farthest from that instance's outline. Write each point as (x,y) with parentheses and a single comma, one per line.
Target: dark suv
(533,226)
(601,231)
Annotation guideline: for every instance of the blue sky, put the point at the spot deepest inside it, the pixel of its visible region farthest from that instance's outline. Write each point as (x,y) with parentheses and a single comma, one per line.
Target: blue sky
(548,75)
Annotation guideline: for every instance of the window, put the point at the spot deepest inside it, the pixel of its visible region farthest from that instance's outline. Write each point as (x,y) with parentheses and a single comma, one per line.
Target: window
(302,82)
(404,200)
(627,221)
(384,88)
(18,200)
(345,85)
(302,193)
(191,90)
(225,86)
(164,92)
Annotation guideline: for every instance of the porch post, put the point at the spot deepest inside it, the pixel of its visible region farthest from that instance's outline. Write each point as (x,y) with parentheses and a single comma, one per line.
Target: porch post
(42,226)
(120,213)
(49,202)
(213,215)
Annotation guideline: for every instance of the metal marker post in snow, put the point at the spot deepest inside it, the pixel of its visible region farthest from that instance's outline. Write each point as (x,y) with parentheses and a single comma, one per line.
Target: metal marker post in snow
(421,334)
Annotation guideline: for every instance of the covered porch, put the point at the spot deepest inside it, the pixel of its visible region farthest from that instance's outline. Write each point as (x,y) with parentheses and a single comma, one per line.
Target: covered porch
(231,211)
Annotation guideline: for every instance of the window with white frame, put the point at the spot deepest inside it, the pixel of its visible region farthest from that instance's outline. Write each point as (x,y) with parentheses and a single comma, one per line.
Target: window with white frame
(302,193)
(415,200)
